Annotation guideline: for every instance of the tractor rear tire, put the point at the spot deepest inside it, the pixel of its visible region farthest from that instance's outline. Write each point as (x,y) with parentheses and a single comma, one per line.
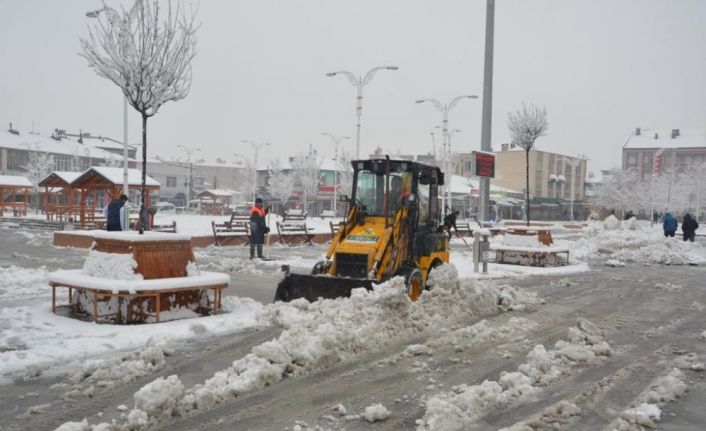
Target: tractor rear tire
(413,281)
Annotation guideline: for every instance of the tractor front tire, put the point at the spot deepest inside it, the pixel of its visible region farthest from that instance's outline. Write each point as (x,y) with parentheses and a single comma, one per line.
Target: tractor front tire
(413,281)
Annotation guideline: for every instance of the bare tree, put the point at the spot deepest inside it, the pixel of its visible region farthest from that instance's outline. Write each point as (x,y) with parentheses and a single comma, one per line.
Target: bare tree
(281,182)
(148,58)
(526,125)
(38,167)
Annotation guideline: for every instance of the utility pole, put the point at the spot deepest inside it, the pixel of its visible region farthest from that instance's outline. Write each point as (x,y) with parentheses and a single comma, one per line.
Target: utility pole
(485,140)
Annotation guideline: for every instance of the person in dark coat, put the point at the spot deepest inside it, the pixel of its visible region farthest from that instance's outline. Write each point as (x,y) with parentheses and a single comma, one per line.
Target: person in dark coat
(258,228)
(450,222)
(669,224)
(114,214)
(688,227)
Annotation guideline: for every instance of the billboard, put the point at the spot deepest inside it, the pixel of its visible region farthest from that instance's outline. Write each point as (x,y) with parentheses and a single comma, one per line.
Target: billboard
(482,164)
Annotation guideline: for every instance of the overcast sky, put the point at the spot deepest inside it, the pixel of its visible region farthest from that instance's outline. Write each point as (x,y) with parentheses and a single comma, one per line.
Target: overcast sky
(601,67)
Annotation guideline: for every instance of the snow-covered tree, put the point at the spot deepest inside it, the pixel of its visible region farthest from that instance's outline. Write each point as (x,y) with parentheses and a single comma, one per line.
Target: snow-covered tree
(281,182)
(245,179)
(113,161)
(345,173)
(306,169)
(618,192)
(526,125)
(146,54)
(39,166)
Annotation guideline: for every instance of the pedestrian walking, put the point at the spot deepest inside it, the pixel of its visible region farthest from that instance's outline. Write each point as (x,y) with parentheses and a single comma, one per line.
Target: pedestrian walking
(258,228)
(669,224)
(688,227)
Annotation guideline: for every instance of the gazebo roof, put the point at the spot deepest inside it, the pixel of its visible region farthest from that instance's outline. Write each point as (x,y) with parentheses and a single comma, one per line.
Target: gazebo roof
(216,193)
(14,181)
(59,179)
(105,177)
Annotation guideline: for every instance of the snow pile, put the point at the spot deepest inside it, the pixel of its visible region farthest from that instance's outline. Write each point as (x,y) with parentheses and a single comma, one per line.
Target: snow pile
(530,241)
(115,266)
(465,404)
(192,269)
(630,223)
(21,283)
(109,372)
(75,426)
(550,418)
(376,412)
(611,223)
(320,334)
(159,397)
(635,243)
(614,263)
(663,390)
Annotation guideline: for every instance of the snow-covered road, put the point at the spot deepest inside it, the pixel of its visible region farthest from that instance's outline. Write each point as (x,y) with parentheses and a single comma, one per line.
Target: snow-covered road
(607,349)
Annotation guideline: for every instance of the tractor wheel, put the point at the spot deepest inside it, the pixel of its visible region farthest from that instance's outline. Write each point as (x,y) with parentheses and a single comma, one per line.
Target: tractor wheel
(319,267)
(414,282)
(437,263)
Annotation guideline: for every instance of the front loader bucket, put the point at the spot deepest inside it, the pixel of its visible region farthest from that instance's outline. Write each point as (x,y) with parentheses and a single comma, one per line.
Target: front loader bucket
(314,287)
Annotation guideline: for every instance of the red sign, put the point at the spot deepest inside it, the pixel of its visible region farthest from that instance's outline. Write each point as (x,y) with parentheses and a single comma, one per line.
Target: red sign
(483,164)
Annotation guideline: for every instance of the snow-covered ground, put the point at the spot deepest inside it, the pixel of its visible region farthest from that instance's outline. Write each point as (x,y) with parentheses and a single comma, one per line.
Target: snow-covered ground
(431,336)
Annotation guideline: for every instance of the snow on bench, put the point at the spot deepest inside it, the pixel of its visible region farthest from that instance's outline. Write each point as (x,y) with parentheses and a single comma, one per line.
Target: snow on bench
(328,214)
(528,250)
(107,297)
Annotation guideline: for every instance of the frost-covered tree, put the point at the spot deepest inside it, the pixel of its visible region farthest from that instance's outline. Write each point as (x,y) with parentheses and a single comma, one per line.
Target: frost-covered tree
(113,161)
(345,173)
(281,182)
(526,125)
(39,166)
(146,54)
(307,169)
(619,192)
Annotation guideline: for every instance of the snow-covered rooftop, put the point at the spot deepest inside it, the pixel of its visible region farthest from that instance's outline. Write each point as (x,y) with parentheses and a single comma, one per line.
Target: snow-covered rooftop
(464,185)
(662,138)
(44,144)
(219,192)
(115,176)
(14,181)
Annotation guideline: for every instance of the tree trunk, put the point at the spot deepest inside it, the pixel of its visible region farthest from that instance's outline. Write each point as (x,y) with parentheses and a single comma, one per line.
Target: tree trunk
(141,219)
(527,185)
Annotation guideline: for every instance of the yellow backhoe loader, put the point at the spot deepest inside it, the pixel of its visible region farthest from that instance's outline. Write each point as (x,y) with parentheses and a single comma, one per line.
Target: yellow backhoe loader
(391,229)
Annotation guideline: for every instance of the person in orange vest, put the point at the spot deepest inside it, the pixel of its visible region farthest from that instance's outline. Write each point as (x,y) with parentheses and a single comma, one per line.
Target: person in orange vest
(258,228)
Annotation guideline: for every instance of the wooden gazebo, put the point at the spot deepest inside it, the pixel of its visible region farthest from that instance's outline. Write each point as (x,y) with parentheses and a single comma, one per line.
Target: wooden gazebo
(59,199)
(109,180)
(12,187)
(214,201)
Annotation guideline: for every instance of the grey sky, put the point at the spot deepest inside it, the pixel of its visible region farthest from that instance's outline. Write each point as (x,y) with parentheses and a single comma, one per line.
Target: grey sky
(601,67)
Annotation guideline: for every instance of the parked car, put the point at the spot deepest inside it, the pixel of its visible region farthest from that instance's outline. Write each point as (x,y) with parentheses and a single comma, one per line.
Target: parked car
(164,208)
(241,209)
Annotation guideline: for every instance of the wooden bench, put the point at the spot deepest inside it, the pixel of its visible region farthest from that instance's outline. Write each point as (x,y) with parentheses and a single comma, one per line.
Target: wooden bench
(335,228)
(463,229)
(165,228)
(328,214)
(289,230)
(141,300)
(529,250)
(543,234)
(169,282)
(236,229)
(294,215)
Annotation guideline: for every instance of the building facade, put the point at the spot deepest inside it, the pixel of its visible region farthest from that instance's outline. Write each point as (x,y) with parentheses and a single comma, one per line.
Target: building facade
(551,175)
(675,148)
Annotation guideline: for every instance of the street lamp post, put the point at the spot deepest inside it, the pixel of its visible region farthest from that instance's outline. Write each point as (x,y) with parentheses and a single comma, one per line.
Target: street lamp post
(444,109)
(256,150)
(190,166)
(336,142)
(114,14)
(359,82)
